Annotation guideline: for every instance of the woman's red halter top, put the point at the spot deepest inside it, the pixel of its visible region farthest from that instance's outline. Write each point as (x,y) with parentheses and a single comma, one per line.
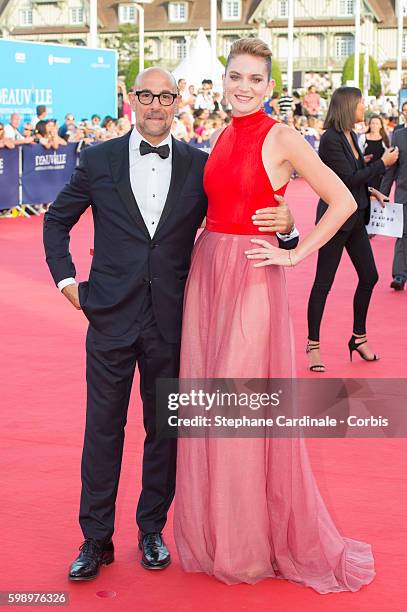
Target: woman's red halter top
(235,179)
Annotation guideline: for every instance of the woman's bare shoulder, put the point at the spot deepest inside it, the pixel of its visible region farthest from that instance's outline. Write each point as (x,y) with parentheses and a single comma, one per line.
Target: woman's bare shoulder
(282,134)
(281,130)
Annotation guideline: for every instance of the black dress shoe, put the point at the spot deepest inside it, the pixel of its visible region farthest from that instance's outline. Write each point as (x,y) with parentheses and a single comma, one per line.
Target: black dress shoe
(94,553)
(155,553)
(398,283)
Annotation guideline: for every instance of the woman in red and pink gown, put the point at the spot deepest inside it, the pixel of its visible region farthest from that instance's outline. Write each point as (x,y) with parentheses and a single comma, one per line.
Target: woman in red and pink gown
(249,508)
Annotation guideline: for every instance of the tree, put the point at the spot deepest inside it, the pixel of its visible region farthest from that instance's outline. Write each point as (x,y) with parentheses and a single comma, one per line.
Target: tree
(276,75)
(375,80)
(126,43)
(132,70)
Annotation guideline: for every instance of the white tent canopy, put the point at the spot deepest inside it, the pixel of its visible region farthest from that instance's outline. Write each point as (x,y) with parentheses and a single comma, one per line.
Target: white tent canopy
(198,65)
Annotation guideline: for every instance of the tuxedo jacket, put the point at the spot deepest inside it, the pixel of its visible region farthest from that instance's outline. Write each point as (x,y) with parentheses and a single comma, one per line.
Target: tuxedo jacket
(336,152)
(398,171)
(126,260)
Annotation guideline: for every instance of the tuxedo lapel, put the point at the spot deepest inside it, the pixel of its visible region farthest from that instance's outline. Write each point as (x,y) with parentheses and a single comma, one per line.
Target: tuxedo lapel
(181,162)
(119,164)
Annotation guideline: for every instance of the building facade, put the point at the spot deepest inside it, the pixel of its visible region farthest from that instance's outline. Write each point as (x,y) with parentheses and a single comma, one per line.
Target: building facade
(324,30)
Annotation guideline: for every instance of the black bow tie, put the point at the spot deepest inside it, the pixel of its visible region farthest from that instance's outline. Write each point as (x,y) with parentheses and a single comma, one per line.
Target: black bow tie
(162,151)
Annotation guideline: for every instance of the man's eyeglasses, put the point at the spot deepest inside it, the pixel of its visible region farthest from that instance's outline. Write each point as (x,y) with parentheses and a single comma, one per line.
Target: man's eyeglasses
(146,97)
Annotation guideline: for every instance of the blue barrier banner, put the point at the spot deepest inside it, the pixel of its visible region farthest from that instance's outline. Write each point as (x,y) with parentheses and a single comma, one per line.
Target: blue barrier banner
(66,79)
(312,140)
(45,171)
(8,178)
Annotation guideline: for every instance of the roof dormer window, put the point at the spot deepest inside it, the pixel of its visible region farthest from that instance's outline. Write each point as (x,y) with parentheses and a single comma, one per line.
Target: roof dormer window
(231,10)
(127,13)
(177,12)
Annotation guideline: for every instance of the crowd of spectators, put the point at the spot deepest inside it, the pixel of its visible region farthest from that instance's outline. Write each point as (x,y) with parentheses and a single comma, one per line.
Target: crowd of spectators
(45,130)
(202,111)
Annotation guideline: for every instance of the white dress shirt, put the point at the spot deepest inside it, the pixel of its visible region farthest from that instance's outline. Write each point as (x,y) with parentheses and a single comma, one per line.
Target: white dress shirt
(293,234)
(150,177)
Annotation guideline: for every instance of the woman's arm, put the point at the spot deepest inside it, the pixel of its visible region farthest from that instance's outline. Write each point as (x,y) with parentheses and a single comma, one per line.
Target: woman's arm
(45,143)
(332,154)
(294,149)
(324,182)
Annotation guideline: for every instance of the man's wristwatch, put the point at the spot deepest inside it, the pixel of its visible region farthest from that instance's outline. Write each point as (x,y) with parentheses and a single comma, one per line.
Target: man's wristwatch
(294,233)
(289,232)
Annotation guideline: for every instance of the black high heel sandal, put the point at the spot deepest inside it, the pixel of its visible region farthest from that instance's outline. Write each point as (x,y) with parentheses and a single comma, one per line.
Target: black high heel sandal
(316,367)
(354,346)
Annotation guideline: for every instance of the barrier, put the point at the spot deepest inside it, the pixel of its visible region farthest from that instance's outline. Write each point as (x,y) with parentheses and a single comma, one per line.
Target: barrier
(46,171)
(9,177)
(313,141)
(32,175)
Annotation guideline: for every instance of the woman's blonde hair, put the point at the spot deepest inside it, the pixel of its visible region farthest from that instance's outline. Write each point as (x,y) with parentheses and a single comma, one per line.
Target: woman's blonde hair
(251,46)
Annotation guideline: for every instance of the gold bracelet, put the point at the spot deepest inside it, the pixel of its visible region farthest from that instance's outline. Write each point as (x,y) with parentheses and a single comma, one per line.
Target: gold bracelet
(289,257)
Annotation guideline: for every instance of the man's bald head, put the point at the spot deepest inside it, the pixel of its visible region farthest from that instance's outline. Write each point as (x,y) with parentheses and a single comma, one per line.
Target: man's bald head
(15,120)
(157,74)
(154,120)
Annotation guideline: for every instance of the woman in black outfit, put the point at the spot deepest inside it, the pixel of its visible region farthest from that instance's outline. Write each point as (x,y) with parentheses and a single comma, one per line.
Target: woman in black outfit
(340,151)
(377,141)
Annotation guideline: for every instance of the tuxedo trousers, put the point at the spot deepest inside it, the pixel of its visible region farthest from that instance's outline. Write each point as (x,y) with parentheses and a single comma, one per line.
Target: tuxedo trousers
(400,251)
(110,367)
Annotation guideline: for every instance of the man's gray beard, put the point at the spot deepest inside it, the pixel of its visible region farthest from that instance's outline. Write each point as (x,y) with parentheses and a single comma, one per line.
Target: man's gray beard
(164,132)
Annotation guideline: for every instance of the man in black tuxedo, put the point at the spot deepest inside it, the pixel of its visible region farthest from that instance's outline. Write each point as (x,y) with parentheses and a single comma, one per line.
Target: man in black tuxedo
(147,199)
(398,173)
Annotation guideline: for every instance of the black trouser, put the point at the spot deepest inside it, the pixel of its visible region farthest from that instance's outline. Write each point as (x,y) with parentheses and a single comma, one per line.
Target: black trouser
(357,244)
(110,369)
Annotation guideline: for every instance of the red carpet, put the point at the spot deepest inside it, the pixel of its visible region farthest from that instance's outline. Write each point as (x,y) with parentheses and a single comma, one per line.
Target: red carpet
(43,407)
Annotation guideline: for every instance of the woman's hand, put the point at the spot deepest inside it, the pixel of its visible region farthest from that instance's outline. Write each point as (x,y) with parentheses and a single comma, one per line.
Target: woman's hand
(380,197)
(271,255)
(390,156)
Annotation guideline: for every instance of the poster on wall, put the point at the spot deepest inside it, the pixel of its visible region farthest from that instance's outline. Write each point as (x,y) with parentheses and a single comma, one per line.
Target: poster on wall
(65,79)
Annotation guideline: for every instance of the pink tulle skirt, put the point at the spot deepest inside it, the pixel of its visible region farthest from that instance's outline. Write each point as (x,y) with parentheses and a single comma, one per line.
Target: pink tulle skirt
(249,508)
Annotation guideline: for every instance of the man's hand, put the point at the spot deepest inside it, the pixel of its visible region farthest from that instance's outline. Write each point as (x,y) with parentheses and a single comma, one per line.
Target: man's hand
(380,197)
(275,218)
(72,294)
